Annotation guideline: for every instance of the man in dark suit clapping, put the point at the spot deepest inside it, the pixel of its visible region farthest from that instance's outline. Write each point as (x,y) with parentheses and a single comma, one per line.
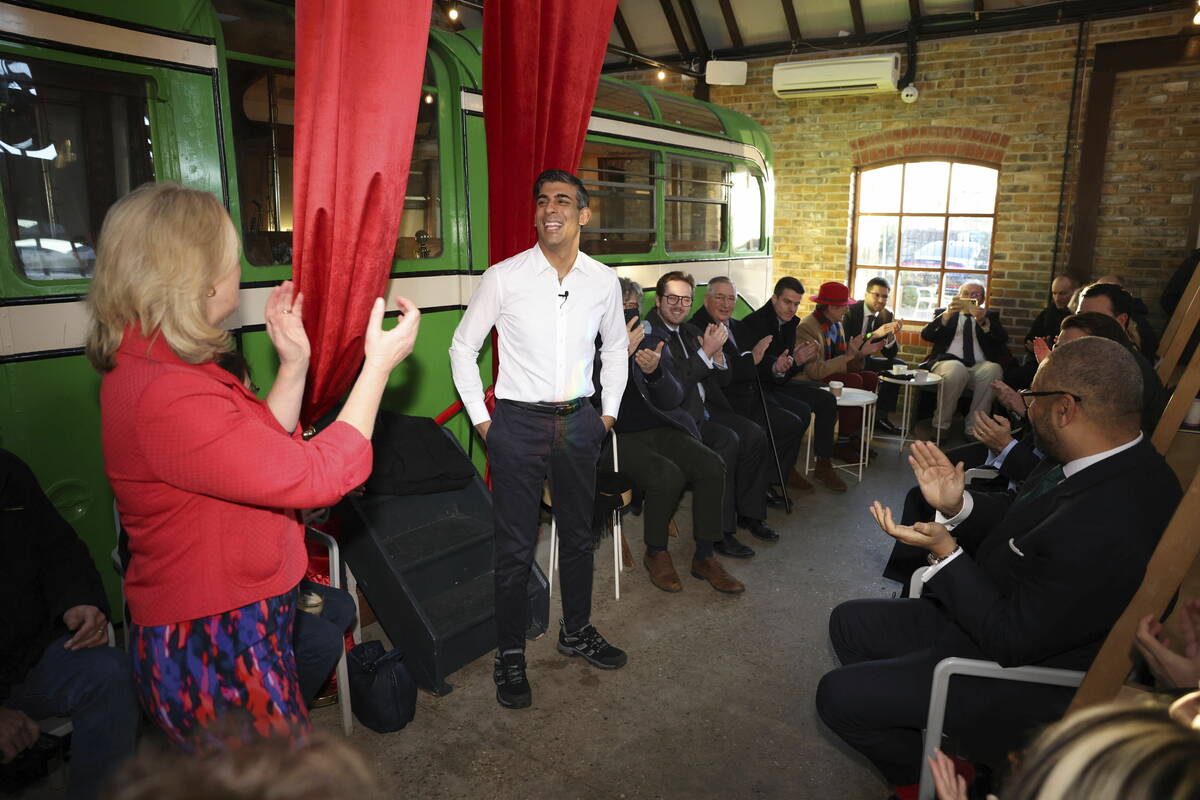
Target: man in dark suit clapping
(868,318)
(1038,578)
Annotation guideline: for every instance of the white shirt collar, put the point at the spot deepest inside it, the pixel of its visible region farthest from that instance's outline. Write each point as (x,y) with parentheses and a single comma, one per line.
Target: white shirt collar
(1080,464)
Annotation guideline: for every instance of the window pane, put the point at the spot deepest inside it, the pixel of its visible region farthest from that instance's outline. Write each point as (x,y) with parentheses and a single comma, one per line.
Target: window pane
(613,96)
(973,189)
(879,190)
(261,27)
(689,113)
(695,227)
(620,181)
(925,184)
(862,276)
(917,295)
(970,243)
(877,240)
(73,141)
(694,178)
(747,208)
(420,233)
(263,105)
(954,281)
(921,241)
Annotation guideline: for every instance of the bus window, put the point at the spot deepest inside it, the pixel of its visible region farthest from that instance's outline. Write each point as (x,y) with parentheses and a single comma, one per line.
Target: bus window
(747,209)
(73,140)
(258,27)
(620,182)
(421,224)
(697,204)
(623,99)
(689,113)
(263,101)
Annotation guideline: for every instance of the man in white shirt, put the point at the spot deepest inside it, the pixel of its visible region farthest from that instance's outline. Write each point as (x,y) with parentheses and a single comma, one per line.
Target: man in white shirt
(1039,578)
(547,304)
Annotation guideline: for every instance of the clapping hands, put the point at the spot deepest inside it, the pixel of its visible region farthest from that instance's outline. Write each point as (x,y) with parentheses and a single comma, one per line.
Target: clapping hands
(1174,670)
(941,483)
(285,325)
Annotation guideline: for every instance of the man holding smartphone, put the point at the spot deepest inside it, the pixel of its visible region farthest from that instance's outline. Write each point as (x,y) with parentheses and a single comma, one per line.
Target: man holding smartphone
(968,344)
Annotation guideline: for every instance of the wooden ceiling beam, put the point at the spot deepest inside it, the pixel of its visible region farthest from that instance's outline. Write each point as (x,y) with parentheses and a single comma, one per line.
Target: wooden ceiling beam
(789,11)
(860,27)
(735,33)
(668,10)
(693,23)
(623,31)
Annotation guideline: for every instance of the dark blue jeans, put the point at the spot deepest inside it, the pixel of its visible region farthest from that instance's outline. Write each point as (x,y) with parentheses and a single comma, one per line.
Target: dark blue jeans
(318,639)
(94,687)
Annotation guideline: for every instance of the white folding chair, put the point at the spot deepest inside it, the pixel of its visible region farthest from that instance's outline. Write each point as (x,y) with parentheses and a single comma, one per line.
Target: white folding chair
(335,581)
(616,537)
(948,668)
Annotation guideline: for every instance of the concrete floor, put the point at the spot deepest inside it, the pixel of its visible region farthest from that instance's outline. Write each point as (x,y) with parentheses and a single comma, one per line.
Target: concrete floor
(717,697)
(715,702)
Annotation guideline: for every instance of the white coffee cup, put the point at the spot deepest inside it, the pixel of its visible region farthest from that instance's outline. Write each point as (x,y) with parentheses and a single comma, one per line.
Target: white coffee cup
(922,376)
(899,369)
(835,387)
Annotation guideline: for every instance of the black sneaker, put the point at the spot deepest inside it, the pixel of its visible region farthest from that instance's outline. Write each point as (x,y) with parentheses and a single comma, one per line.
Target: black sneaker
(592,646)
(512,687)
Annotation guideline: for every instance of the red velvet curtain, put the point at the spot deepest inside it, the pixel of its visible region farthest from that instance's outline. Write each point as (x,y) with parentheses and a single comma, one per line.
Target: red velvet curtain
(359,65)
(541,64)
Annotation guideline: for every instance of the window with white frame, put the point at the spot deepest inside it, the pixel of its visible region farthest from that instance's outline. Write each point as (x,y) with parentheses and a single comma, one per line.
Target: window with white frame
(927,227)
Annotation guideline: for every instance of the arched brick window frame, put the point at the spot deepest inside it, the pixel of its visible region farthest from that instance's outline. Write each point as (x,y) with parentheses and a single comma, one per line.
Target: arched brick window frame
(923,143)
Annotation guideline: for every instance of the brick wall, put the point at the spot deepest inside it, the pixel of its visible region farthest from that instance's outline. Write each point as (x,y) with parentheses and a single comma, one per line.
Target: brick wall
(1003,98)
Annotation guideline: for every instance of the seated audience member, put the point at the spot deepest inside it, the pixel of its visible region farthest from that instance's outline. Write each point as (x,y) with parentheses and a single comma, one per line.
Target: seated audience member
(1045,328)
(698,361)
(780,372)
(54,655)
(743,391)
(1116,751)
(208,478)
(1008,444)
(1039,578)
(631,296)
(1111,299)
(968,348)
(323,768)
(871,317)
(660,450)
(839,357)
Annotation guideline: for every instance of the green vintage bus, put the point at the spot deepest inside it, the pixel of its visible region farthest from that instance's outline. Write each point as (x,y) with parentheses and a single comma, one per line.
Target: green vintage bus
(100,96)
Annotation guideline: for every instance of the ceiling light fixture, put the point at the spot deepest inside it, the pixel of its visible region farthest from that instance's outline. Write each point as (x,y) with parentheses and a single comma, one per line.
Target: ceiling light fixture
(453,13)
(428,99)
(662,75)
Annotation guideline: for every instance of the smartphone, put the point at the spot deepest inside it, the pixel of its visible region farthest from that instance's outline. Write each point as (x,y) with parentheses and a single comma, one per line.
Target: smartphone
(971,301)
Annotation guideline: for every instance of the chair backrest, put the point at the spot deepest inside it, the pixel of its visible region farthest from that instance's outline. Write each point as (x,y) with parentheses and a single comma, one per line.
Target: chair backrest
(1181,400)
(1179,329)
(1170,563)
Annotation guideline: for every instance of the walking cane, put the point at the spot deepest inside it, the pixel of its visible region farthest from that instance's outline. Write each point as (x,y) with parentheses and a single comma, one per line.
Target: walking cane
(762,396)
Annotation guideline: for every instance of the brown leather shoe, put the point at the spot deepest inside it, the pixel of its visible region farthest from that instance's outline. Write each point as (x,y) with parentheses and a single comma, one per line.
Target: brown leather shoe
(799,482)
(709,569)
(827,476)
(662,571)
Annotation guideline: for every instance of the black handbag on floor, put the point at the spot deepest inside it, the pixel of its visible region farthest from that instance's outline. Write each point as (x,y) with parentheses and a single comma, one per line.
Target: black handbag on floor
(382,691)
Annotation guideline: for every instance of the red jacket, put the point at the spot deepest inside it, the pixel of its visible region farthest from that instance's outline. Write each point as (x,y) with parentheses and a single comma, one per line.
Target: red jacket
(207,484)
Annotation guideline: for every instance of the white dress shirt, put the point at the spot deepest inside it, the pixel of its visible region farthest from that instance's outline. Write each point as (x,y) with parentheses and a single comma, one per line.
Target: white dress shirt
(1069,469)
(547,333)
(956,346)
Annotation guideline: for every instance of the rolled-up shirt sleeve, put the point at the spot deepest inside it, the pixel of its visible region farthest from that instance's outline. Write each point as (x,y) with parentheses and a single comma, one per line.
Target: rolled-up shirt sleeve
(477,321)
(195,437)
(614,359)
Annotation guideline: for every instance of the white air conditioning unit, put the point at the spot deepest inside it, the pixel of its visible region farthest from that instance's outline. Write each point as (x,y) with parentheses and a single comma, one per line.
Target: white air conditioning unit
(834,76)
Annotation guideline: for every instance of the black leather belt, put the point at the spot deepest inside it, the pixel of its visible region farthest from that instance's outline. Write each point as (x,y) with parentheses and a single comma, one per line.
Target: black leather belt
(559,409)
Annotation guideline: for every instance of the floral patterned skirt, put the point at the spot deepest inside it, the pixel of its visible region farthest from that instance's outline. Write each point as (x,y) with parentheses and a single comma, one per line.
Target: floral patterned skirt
(214,682)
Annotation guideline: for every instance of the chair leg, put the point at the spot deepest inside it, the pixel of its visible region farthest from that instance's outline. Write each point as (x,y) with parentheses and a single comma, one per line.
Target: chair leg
(553,554)
(616,537)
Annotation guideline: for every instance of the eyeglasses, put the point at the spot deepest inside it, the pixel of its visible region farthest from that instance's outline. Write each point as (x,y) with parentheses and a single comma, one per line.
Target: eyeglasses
(1029,395)
(677,300)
